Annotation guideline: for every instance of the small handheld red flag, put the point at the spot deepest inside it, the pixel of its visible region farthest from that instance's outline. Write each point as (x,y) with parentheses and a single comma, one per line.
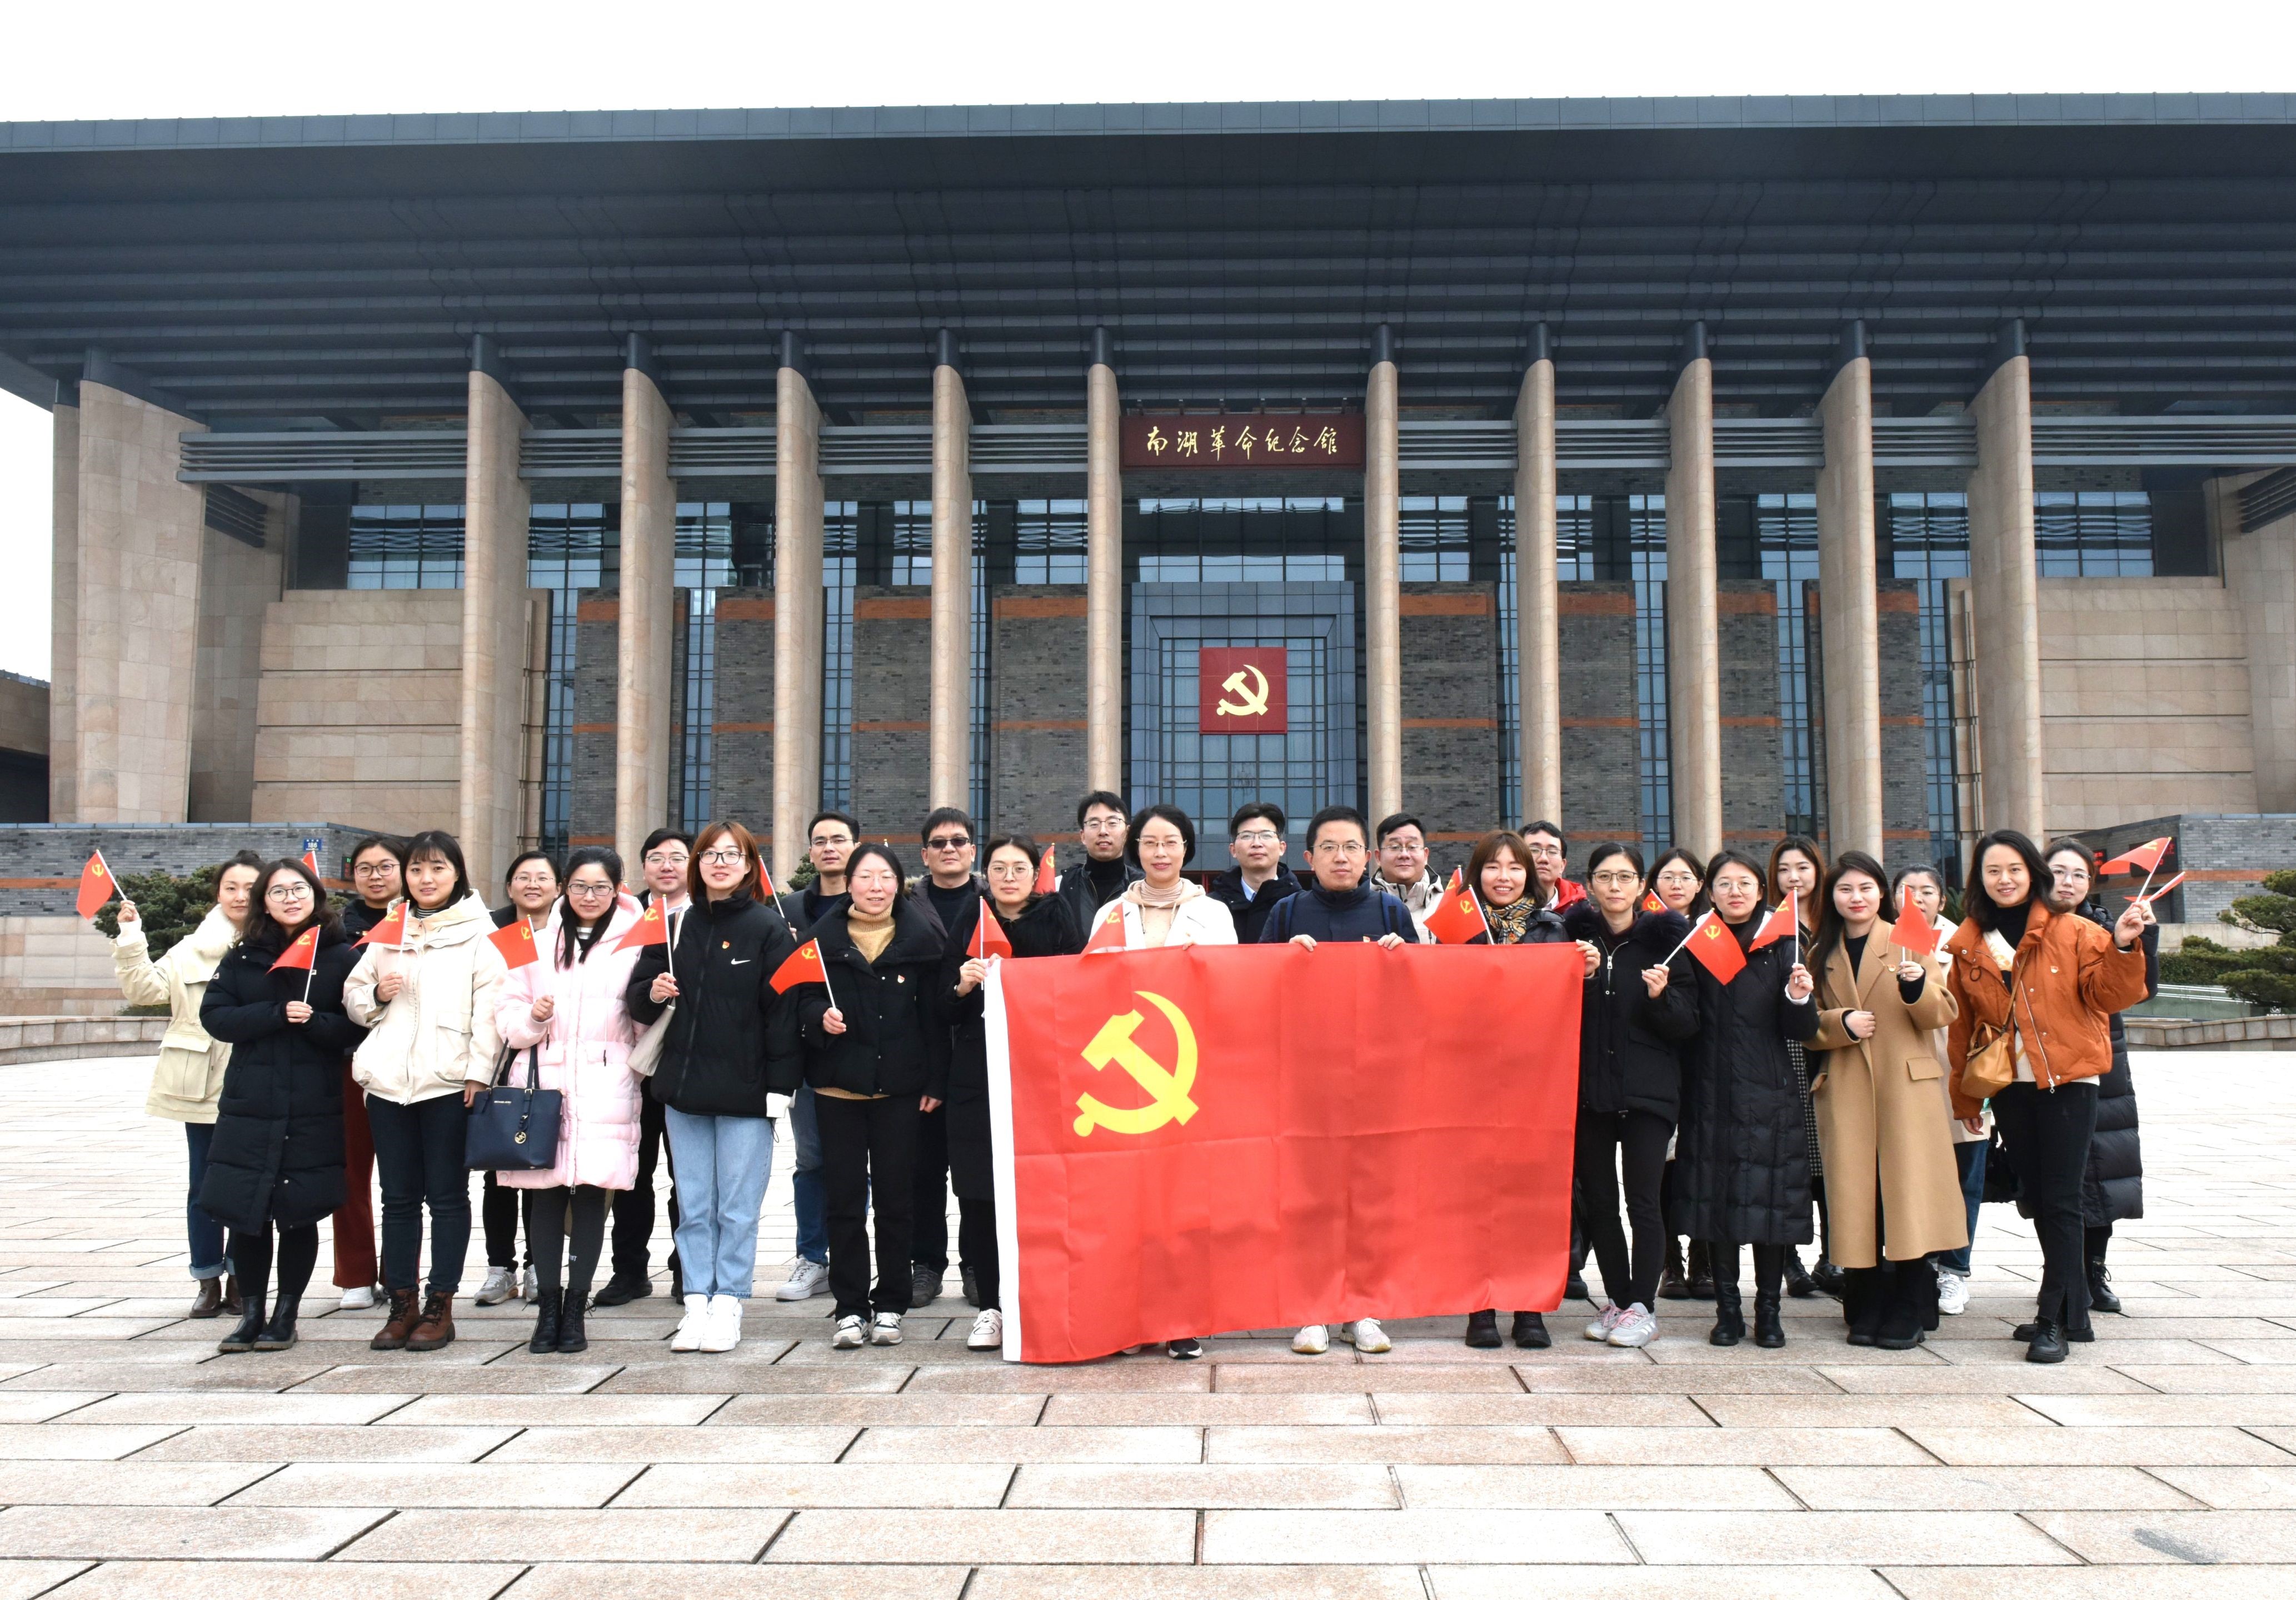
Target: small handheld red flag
(2160,890)
(803,966)
(1912,930)
(1048,874)
(988,936)
(96,889)
(1109,936)
(1715,948)
(311,860)
(516,943)
(1786,921)
(2145,859)
(766,890)
(299,957)
(649,929)
(390,931)
(1651,902)
(1458,916)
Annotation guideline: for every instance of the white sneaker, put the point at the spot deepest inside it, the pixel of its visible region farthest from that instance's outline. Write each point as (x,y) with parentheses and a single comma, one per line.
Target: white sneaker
(987,1330)
(806,1280)
(501,1284)
(849,1334)
(358,1300)
(1635,1327)
(1313,1339)
(688,1337)
(1953,1293)
(721,1329)
(1367,1336)
(885,1328)
(532,1292)
(1599,1330)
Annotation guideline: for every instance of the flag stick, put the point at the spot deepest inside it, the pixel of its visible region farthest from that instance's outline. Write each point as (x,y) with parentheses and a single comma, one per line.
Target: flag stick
(2141,888)
(825,988)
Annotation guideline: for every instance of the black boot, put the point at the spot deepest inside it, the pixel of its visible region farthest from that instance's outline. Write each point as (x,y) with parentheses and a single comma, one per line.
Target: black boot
(1799,1282)
(545,1340)
(2047,1344)
(1575,1287)
(279,1332)
(1862,1303)
(2101,1297)
(1483,1331)
(1900,1325)
(1827,1277)
(1729,1310)
(1531,1331)
(1769,1333)
(572,1340)
(2024,1332)
(241,1339)
(1700,1269)
(1673,1284)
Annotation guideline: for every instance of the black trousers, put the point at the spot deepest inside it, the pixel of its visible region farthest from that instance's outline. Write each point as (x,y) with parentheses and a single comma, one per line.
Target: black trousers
(929,1210)
(868,1146)
(1637,1140)
(547,1235)
(633,1208)
(976,1241)
(298,1252)
(2046,1134)
(499,1209)
(1769,1266)
(418,1153)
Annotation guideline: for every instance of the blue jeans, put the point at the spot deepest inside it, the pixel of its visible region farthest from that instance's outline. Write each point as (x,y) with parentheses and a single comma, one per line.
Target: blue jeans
(809,1198)
(204,1231)
(1971,1159)
(722,1163)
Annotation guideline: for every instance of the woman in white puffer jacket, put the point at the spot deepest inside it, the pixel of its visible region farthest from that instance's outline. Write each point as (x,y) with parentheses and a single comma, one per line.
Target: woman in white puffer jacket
(566,1013)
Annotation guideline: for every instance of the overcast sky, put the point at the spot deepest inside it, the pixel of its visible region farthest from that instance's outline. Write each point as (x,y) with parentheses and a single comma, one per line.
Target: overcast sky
(128,59)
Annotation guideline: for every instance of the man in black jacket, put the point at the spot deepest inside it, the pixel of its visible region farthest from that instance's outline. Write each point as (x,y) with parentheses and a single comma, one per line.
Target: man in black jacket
(1103,825)
(830,839)
(952,891)
(1251,889)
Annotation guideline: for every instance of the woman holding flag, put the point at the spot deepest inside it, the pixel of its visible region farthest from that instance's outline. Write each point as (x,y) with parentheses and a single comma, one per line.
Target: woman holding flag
(277,1159)
(1880,1099)
(726,1067)
(1738,994)
(1797,870)
(1025,919)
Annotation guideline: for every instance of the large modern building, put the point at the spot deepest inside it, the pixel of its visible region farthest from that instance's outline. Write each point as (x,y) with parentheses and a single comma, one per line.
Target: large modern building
(1687,470)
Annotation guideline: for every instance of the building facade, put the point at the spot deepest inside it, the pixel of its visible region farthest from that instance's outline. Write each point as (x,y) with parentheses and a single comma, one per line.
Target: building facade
(1686,472)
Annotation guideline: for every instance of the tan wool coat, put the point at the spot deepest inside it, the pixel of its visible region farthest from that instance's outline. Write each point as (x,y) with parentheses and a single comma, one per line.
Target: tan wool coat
(1883,1120)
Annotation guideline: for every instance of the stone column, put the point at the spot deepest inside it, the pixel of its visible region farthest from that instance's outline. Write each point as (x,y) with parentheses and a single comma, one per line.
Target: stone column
(1381,582)
(2004,593)
(797,610)
(63,622)
(948,767)
(495,507)
(644,695)
(1694,668)
(2260,571)
(1539,656)
(1849,615)
(1103,645)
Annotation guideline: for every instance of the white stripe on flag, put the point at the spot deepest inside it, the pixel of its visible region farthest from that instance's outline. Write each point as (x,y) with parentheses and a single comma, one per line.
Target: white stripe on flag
(1000,1145)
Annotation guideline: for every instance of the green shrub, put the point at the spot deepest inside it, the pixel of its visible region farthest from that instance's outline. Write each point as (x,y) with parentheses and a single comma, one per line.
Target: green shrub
(170,906)
(2282,883)
(2204,961)
(2275,988)
(2276,912)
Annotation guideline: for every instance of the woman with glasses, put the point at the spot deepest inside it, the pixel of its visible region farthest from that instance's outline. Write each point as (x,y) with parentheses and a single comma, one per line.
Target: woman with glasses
(277,1159)
(531,888)
(1035,924)
(568,1013)
(1679,881)
(1798,869)
(726,1067)
(1925,885)
(378,882)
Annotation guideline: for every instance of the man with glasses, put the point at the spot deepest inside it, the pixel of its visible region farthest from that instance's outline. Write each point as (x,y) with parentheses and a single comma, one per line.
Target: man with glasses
(1549,855)
(953,891)
(1401,842)
(1251,889)
(830,838)
(1101,828)
(663,863)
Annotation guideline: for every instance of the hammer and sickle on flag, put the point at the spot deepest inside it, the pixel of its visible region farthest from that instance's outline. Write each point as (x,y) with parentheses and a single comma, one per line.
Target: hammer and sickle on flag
(1249,702)
(1168,1091)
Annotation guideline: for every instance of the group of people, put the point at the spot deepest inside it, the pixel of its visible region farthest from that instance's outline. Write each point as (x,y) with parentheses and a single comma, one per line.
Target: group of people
(1825,1076)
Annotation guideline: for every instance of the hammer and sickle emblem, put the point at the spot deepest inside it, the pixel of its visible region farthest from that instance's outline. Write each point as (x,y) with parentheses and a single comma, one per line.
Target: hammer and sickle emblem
(1167,1091)
(1252,703)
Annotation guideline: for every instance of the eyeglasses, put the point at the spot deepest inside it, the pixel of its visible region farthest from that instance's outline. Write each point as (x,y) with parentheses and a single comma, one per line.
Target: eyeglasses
(954,842)
(534,881)
(589,891)
(831,841)
(288,892)
(1405,847)
(1103,825)
(1545,852)
(1615,878)
(723,857)
(666,858)
(376,869)
(1340,847)
(1258,836)
(1010,869)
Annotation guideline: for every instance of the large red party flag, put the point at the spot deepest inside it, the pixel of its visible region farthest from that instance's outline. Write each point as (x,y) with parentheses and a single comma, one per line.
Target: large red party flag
(1048,874)
(516,943)
(649,929)
(2145,859)
(390,931)
(299,957)
(96,889)
(1784,923)
(1716,948)
(803,965)
(1458,918)
(1175,1155)
(1912,930)
(1108,937)
(988,936)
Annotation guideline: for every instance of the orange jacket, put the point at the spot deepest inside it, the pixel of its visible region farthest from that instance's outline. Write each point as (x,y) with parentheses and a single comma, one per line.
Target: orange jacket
(2070,979)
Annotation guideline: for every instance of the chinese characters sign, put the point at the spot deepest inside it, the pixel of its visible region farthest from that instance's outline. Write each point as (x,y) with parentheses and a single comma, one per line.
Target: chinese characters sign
(1243,691)
(1243,441)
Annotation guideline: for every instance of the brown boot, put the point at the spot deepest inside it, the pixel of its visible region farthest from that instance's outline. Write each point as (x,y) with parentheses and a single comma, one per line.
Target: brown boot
(403,1318)
(207,1300)
(436,1331)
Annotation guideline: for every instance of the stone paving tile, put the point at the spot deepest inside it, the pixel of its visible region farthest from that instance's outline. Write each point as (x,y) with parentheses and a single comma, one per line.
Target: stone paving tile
(2179,1352)
(1710,1378)
(216,1406)
(2273,1380)
(161,1533)
(1797,1538)
(1114,1486)
(750,1377)
(2165,1410)
(559,1410)
(214,1441)
(1870,1411)
(1354,1377)
(271,1374)
(277,1581)
(1418,1537)
(1741,1446)
(1023,1444)
(2235,1487)
(126,1483)
(1196,1583)
(1436,1447)
(1099,1410)
(941,1485)
(1128,1377)
(2091,1583)
(886,1410)
(1591,1488)
(682,1445)
(570,1379)
(40,1405)
(22,1580)
(69,1441)
(602,1536)
(1989,1381)
(669,1580)
(1672,1583)
(474,1487)
(2197,1537)
(982,1538)
(1980,1489)
(1528,1410)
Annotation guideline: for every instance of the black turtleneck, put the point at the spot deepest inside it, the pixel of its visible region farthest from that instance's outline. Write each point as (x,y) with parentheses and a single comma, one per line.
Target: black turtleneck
(1106,878)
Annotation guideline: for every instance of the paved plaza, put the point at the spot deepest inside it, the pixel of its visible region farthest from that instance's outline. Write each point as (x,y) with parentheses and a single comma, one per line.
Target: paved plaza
(2160,1462)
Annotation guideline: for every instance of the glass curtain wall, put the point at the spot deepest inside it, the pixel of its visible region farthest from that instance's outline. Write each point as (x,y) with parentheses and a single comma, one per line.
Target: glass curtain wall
(911,563)
(571,547)
(1786,532)
(703,564)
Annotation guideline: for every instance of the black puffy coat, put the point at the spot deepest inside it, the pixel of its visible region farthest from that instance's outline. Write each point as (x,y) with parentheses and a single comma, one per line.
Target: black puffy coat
(1626,1061)
(2112,1188)
(806,907)
(1084,901)
(1045,927)
(733,1038)
(897,1024)
(1249,910)
(278,1150)
(1742,1157)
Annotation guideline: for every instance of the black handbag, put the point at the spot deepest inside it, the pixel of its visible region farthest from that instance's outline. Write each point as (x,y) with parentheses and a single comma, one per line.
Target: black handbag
(513,1130)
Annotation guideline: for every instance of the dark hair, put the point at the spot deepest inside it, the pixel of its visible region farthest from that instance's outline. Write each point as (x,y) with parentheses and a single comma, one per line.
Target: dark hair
(1978,904)
(1807,847)
(544,856)
(699,893)
(1026,843)
(1486,849)
(390,844)
(574,946)
(1168,813)
(439,842)
(1099,797)
(2073,847)
(1332,814)
(1830,930)
(1610,847)
(265,933)
(1266,810)
(1697,870)
(1388,825)
(939,814)
(883,851)
(239,858)
(1730,857)
(661,836)
(1920,870)
(852,825)
(1551,829)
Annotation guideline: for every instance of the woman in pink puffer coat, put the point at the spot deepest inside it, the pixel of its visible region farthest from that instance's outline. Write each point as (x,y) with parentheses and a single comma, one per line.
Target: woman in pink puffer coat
(564,1014)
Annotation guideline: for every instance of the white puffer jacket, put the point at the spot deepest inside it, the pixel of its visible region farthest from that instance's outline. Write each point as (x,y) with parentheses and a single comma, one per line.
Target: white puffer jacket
(1197,920)
(188,1078)
(440,1031)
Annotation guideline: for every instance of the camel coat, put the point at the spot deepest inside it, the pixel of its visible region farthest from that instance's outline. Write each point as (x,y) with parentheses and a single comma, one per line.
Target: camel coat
(1883,1119)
